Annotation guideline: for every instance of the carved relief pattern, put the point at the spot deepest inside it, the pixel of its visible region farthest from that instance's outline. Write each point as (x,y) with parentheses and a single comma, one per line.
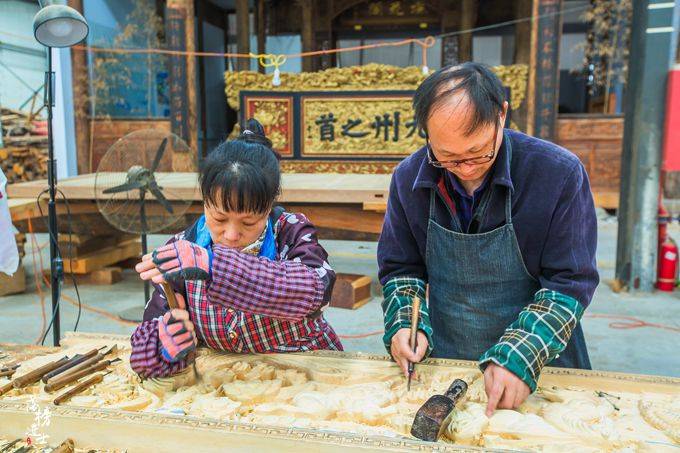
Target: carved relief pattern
(356,399)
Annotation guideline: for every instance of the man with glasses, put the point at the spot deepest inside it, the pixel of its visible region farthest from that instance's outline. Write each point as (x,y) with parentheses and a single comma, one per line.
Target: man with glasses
(501,229)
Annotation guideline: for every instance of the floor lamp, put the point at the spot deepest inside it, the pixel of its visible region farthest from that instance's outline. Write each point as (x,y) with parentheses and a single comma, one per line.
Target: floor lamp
(55,26)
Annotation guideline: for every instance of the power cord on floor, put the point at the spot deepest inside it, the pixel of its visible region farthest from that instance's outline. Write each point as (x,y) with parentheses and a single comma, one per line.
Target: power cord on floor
(37,248)
(629,322)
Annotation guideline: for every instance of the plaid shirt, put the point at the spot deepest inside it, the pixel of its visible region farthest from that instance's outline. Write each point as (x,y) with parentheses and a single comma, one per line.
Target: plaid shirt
(541,331)
(251,304)
(398,307)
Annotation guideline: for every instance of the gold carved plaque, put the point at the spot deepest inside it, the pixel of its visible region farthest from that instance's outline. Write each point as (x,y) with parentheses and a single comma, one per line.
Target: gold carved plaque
(359,126)
(275,114)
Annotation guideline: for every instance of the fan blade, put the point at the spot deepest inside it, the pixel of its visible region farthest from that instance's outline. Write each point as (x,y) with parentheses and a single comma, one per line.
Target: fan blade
(156,191)
(159,155)
(123,187)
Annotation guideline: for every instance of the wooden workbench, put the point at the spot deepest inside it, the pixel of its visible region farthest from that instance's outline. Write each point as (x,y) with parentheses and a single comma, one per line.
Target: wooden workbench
(581,407)
(341,206)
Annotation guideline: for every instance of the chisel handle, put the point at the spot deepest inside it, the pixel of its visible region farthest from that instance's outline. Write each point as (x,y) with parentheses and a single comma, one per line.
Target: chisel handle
(415,313)
(56,384)
(78,389)
(6,388)
(81,366)
(169,295)
(77,359)
(34,376)
(172,303)
(7,373)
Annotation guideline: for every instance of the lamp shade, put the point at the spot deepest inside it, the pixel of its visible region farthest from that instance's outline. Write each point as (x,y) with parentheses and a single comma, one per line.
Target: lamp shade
(59,26)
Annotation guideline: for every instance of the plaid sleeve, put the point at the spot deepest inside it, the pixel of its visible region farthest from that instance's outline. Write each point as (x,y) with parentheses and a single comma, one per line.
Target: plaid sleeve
(539,334)
(397,307)
(280,289)
(146,358)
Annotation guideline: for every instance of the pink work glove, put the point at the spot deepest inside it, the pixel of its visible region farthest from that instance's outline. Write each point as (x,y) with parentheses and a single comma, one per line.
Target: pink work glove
(176,332)
(182,260)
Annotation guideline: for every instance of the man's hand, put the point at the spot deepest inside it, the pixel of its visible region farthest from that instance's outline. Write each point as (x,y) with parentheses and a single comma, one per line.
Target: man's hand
(503,388)
(402,352)
(176,332)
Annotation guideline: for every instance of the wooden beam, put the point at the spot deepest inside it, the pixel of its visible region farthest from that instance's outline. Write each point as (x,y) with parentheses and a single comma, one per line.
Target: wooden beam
(200,10)
(468,20)
(522,53)
(450,22)
(546,67)
(181,36)
(261,32)
(307,7)
(104,257)
(81,105)
(243,33)
(530,101)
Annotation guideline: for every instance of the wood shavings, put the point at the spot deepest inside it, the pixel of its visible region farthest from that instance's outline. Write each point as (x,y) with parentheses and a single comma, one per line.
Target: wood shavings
(251,392)
(212,405)
(664,417)
(468,424)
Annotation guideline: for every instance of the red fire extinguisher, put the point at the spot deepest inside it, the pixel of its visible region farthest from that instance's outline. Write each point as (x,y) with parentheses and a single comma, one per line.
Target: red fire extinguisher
(667,266)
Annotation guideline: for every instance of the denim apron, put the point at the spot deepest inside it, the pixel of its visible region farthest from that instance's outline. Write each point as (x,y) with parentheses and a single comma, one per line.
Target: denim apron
(478,285)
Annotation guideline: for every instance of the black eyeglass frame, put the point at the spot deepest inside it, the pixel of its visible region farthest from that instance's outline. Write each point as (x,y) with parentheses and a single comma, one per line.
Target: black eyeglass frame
(432,160)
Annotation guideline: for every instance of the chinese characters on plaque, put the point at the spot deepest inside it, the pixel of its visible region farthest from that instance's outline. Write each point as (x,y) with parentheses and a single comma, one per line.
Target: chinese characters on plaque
(341,124)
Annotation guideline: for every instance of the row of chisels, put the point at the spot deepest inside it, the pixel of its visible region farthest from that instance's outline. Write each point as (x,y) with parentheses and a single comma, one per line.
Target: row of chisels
(63,372)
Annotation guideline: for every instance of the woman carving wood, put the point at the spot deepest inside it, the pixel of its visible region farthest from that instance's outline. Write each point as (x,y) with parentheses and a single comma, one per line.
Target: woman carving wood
(249,277)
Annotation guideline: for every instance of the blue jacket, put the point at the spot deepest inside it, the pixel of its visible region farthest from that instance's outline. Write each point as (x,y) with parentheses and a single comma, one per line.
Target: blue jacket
(552,211)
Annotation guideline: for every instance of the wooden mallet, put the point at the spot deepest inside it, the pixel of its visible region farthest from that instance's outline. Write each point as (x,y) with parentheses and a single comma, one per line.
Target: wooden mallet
(434,416)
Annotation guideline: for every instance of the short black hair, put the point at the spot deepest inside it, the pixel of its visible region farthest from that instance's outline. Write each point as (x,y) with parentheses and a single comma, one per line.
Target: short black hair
(242,175)
(482,87)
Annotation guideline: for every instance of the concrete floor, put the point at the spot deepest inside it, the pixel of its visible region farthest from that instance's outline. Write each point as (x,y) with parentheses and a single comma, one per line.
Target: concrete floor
(616,342)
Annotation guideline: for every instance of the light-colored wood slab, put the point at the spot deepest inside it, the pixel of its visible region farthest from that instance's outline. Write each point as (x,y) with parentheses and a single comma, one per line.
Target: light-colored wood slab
(100,259)
(300,188)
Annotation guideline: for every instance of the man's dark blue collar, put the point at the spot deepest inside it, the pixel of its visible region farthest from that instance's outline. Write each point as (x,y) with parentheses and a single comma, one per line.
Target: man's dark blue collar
(428,176)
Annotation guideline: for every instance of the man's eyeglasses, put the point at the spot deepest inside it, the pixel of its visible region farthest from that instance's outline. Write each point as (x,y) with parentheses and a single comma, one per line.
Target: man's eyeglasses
(432,160)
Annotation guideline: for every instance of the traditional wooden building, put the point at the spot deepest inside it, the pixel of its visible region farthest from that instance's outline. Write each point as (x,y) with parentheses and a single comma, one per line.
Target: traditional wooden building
(565,99)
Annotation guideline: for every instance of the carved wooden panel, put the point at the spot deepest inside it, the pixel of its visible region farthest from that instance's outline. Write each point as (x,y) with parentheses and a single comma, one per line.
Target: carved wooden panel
(107,131)
(597,141)
(334,401)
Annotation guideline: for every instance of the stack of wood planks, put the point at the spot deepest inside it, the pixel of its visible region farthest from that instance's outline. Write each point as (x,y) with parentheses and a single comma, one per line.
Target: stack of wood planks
(23,156)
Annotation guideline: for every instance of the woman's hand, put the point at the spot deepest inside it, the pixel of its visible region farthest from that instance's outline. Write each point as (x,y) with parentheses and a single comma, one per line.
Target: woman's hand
(178,261)
(176,332)
(401,349)
(147,269)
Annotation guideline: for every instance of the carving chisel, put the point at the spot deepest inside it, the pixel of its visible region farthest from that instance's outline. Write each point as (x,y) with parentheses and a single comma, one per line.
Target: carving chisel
(77,359)
(8,371)
(62,381)
(79,388)
(172,303)
(413,343)
(83,365)
(34,376)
